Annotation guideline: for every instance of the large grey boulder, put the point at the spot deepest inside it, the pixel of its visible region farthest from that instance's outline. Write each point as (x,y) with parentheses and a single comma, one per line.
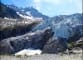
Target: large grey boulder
(35,40)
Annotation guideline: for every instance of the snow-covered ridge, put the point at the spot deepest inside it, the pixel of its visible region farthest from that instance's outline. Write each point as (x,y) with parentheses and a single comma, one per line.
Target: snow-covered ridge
(28,17)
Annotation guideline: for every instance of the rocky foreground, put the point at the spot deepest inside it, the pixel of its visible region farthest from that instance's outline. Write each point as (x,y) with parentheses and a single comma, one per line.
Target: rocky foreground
(45,57)
(76,55)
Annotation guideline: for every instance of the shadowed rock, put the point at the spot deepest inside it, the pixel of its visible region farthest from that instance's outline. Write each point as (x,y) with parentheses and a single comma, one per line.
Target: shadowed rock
(55,45)
(35,40)
(15,27)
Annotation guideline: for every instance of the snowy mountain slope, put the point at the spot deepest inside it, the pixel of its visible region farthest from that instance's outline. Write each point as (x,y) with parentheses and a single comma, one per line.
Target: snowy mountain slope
(65,26)
(11,11)
(29,11)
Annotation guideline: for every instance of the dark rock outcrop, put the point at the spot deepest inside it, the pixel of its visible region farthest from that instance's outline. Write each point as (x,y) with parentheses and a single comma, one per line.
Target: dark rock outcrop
(55,45)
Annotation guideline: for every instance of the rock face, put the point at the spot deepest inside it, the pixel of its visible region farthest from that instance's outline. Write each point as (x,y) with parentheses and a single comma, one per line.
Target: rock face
(55,45)
(12,27)
(35,40)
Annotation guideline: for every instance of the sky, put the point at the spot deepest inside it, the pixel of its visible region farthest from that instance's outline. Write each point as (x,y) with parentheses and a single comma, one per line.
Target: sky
(50,7)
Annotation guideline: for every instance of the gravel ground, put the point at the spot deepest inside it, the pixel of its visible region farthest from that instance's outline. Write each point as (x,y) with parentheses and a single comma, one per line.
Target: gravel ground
(45,57)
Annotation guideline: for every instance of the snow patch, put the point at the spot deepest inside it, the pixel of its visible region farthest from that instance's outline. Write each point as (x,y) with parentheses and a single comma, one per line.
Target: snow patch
(28,52)
(24,16)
